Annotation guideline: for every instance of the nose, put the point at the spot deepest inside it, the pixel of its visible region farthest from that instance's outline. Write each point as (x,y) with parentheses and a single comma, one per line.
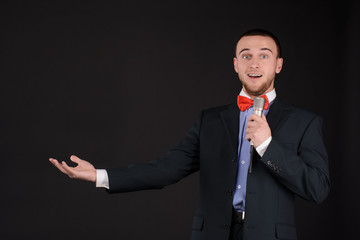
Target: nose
(254,63)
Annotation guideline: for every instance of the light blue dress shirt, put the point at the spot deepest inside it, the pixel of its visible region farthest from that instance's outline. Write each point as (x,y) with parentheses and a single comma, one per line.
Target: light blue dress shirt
(243,160)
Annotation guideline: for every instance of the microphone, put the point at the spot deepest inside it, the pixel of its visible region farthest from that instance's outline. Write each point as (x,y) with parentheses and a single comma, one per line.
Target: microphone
(259,103)
(258,107)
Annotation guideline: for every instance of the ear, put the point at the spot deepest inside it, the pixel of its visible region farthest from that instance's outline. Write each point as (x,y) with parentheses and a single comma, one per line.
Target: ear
(235,64)
(279,64)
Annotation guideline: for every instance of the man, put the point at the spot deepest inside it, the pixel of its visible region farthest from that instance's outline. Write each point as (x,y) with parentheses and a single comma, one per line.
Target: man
(234,203)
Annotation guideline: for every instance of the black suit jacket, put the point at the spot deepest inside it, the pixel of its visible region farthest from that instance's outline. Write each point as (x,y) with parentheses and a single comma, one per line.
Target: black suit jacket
(295,163)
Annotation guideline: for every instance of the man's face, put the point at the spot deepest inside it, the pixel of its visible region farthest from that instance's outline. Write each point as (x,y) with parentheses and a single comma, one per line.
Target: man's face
(256,64)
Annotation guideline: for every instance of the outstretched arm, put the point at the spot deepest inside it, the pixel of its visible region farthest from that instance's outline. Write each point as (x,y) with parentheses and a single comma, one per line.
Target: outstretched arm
(83,171)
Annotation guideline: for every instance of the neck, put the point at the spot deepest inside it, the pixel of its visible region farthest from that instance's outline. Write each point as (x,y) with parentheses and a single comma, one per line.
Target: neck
(257,95)
(271,94)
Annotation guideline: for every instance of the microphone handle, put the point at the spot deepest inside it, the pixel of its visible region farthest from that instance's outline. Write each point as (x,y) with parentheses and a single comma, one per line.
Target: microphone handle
(251,157)
(259,113)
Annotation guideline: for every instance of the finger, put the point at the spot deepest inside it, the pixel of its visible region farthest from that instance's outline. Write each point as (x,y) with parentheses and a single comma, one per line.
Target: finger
(249,130)
(58,165)
(248,138)
(252,125)
(255,116)
(53,161)
(69,170)
(66,167)
(75,159)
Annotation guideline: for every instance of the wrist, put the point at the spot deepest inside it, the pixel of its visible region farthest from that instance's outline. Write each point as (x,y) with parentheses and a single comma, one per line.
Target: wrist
(94,176)
(263,146)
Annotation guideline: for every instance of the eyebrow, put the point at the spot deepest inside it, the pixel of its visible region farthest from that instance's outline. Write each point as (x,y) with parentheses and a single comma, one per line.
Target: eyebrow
(247,49)
(244,49)
(267,49)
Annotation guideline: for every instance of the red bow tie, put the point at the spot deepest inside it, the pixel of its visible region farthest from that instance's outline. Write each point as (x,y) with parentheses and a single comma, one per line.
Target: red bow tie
(245,103)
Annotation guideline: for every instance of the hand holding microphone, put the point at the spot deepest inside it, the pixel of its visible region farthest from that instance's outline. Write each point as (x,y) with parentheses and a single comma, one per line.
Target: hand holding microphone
(257,130)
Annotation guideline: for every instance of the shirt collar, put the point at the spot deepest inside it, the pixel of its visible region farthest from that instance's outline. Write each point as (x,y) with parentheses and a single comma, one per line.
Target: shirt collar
(270,95)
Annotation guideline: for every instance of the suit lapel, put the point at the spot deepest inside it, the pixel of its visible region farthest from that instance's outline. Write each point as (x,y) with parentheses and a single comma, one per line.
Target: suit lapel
(230,118)
(278,113)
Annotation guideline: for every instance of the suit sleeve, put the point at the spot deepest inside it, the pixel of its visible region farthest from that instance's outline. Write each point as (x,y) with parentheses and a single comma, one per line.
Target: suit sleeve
(179,162)
(301,165)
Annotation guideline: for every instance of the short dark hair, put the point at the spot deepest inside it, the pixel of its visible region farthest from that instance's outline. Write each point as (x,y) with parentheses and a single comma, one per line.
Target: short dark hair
(264,33)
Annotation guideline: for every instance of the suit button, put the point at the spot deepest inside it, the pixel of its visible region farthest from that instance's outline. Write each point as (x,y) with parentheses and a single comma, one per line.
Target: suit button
(268,163)
(226,226)
(233,159)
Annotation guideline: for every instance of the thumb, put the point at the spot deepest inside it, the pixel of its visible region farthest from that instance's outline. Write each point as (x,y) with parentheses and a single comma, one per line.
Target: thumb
(75,159)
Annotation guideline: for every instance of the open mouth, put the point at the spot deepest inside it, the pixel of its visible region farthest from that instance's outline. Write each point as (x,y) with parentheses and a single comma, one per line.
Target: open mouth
(253,75)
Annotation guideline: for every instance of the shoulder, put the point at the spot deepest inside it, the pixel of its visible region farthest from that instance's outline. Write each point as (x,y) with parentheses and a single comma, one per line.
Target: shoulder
(215,114)
(219,112)
(295,112)
(219,109)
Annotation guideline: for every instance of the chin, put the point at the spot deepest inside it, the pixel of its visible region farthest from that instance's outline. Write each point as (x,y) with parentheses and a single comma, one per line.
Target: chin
(255,91)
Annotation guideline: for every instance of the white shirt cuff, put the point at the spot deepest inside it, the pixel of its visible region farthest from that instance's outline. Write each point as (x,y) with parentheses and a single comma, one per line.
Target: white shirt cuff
(102,179)
(262,147)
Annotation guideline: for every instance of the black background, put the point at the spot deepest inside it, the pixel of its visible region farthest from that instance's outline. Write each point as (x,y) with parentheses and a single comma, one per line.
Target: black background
(120,82)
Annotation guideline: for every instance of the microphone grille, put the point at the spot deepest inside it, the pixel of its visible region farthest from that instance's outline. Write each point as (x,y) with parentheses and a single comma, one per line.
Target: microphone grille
(259,103)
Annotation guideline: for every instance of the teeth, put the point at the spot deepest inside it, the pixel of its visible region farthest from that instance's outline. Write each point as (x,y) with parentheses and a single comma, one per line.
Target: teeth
(254,75)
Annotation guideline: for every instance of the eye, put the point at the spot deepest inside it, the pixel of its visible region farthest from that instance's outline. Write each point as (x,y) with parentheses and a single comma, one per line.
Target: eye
(246,56)
(264,56)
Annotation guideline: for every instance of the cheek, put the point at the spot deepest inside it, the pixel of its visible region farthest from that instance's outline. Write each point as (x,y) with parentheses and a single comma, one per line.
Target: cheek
(272,68)
(241,68)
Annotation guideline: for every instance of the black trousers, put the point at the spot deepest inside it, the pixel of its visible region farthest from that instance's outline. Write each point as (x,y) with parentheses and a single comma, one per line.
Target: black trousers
(237,228)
